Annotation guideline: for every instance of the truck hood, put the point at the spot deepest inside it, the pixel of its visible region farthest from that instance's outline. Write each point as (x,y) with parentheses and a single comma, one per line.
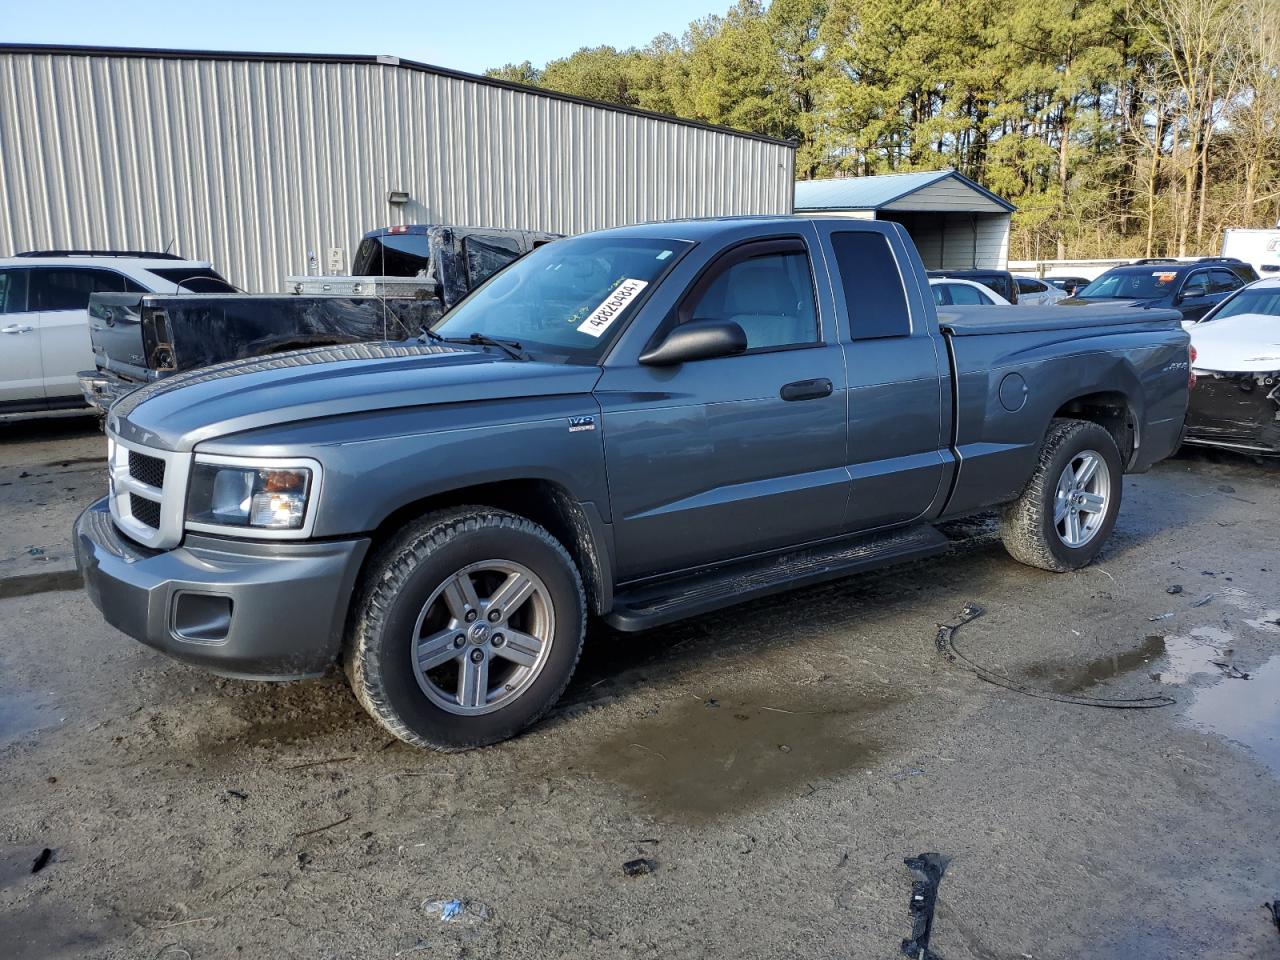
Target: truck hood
(1245,343)
(183,410)
(1107,301)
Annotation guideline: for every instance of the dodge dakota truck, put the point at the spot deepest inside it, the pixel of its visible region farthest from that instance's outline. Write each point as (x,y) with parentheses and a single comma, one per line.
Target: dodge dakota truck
(639,424)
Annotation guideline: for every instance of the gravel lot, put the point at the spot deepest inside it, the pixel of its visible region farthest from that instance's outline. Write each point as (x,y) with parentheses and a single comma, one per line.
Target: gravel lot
(777,762)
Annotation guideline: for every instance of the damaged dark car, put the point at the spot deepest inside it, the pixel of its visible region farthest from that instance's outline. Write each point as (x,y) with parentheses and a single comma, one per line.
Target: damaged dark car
(1235,402)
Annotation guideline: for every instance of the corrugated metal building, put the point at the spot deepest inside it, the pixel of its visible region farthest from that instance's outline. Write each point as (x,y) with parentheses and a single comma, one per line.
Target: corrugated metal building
(956,224)
(258,161)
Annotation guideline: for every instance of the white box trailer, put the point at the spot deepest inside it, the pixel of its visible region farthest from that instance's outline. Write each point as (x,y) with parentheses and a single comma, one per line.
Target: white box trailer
(1258,248)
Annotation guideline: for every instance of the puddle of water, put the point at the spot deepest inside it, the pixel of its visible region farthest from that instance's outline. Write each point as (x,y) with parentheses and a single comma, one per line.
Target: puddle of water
(21,713)
(41,933)
(694,762)
(1247,711)
(1184,657)
(1066,676)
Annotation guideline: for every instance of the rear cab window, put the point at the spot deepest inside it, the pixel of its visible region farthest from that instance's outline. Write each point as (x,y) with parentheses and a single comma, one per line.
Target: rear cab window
(393,255)
(873,291)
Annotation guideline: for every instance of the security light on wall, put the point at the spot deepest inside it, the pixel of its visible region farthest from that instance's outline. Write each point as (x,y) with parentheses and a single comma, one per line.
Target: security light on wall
(398,198)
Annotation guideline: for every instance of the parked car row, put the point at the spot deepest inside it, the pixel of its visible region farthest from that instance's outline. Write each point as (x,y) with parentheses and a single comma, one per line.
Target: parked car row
(88,326)
(1233,318)
(44,330)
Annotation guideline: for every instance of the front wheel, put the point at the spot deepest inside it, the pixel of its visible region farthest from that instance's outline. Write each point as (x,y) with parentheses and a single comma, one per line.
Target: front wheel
(468,629)
(1067,511)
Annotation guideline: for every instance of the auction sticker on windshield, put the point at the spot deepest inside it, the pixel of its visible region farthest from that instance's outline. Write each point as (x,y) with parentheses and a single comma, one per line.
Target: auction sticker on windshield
(602,317)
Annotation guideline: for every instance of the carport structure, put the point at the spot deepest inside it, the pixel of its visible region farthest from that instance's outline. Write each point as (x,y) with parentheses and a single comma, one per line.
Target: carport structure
(955,223)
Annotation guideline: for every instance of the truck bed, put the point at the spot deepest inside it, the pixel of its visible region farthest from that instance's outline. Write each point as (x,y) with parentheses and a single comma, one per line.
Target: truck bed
(1012,367)
(974,321)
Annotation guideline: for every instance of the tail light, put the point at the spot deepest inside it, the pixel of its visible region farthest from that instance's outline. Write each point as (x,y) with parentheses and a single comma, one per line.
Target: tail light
(156,339)
(1191,367)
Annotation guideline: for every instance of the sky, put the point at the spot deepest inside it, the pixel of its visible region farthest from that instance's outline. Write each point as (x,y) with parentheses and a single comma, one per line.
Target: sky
(470,35)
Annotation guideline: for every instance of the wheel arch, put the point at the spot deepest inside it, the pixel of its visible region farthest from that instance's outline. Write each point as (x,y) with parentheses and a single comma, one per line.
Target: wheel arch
(547,503)
(1114,412)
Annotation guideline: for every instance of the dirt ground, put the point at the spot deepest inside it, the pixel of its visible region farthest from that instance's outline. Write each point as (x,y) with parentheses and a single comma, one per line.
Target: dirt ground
(776,761)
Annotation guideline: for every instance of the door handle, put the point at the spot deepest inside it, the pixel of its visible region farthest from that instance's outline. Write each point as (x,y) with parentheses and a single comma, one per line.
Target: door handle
(15,328)
(806,390)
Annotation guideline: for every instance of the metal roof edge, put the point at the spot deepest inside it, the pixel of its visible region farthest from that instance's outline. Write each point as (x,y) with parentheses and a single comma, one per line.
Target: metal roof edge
(994,197)
(940,176)
(167,53)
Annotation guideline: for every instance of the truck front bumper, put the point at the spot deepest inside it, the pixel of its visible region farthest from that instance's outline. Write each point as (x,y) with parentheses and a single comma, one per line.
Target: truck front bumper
(261,611)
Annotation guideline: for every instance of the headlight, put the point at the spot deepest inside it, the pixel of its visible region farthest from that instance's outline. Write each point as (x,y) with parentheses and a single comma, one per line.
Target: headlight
(267,495)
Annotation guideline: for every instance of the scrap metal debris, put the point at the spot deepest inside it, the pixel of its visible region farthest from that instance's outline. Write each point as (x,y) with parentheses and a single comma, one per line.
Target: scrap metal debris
(639,867)
(927,870)
(1230,670)
(42,860)
(1174,589)
(946,645)
(1273,908)
(1203,601)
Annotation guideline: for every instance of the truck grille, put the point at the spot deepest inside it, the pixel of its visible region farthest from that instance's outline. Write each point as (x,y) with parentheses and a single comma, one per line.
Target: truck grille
(146,469)
(147,511)
(148,492)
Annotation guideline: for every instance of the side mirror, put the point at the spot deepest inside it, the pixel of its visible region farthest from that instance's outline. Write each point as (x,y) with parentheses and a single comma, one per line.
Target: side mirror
(697,340)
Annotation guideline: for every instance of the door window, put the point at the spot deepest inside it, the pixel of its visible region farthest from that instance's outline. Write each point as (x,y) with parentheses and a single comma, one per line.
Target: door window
(873,291)
(13,291)
(770,297)
(1030,286)
(1197,285)
(940,296)
(964,294)
(1224,281)
(56,288)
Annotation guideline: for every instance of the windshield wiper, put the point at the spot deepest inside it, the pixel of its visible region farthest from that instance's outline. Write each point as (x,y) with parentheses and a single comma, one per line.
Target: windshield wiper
(511,348)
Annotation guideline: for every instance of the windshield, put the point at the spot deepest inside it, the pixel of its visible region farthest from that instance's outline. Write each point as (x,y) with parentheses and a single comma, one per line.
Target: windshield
(403,255)
(1264,302)
(567,298)
(1132,285)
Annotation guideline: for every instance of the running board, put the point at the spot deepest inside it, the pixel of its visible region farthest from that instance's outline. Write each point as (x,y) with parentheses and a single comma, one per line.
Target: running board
(653,604)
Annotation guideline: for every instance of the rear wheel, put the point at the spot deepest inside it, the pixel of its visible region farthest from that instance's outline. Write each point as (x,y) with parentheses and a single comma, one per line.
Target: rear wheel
(468,629)
(1069,508)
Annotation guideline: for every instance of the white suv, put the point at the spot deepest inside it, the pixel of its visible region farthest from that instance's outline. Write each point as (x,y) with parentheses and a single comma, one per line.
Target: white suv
(44,319)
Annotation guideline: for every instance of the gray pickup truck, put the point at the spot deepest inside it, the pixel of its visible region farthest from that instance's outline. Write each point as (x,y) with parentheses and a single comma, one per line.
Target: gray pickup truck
(640,424)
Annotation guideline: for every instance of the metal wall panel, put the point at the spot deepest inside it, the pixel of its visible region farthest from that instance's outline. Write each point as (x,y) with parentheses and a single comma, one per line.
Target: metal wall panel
(257,164)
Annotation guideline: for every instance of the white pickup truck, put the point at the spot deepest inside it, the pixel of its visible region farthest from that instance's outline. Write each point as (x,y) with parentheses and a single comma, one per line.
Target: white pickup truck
(44,318)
